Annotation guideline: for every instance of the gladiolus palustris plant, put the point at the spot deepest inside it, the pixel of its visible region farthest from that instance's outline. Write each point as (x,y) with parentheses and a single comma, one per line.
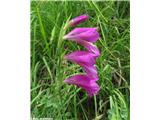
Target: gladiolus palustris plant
(86,59)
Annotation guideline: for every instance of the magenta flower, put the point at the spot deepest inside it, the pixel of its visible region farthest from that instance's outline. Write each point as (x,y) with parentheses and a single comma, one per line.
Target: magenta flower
(84,82)
(78,20)
(90,47)
(81,57)
(91,71)
(86,34)
(86,59)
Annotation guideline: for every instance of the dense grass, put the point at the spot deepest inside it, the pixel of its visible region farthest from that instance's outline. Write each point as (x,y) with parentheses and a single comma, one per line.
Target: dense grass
(50,96)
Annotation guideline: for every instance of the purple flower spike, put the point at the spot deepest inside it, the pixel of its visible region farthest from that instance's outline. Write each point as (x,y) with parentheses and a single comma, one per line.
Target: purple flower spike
(86,34)
(78,20)
(84,82)
(86,59)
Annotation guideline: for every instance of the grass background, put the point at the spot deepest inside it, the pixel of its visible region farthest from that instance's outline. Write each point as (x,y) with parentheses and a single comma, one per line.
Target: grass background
(50,96)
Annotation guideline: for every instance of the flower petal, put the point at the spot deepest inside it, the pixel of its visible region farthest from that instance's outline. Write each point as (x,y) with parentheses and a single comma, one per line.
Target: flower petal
(80,30)
(91,71)
(90,47)
(86,34)
(84,82)
(78,20)
(81,57)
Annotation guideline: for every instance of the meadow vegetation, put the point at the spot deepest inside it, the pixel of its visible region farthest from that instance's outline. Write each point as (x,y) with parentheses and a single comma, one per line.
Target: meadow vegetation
(50,96)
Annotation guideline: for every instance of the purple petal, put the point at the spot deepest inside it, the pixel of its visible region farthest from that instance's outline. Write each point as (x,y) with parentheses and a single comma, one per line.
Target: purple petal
(84,82)
(91,71)
(86,34)
(81,57)
(80,30)
(86,60)
(90,47)
(78,20)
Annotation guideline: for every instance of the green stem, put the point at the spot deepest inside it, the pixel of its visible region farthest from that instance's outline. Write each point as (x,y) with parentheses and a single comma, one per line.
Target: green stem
(75,108)
(95,104)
